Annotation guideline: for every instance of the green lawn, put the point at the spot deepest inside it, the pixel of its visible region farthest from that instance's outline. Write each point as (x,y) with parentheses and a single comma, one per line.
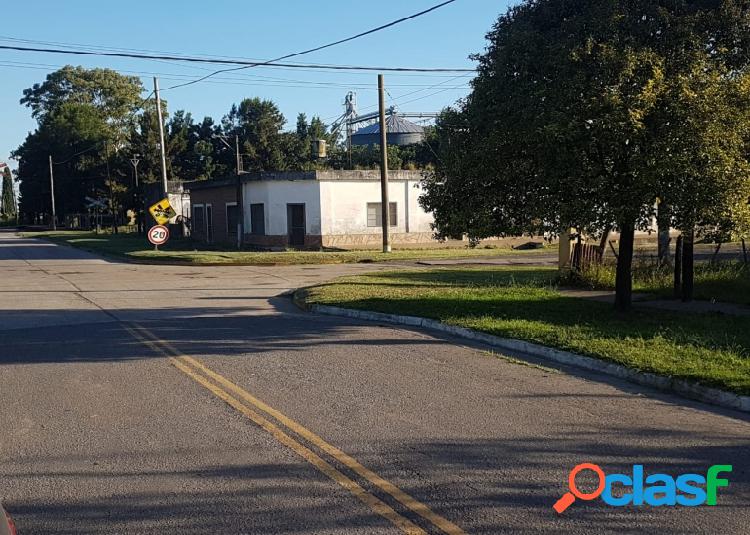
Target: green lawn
(524,303)
(727,281)
(135,247)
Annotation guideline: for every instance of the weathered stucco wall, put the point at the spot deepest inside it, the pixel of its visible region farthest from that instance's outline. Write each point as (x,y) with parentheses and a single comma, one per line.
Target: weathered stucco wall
(344,207)
(275,195)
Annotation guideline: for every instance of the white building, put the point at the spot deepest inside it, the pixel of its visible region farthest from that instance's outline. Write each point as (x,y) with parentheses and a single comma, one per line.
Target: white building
(311,209)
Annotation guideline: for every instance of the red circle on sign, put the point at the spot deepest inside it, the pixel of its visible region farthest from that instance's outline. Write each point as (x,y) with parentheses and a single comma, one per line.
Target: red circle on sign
(158,234)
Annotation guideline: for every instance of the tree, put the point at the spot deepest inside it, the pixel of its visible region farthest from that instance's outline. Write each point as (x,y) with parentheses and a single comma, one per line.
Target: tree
(258,123)
(563,126)
(706,176)
(79,112)
(8,204)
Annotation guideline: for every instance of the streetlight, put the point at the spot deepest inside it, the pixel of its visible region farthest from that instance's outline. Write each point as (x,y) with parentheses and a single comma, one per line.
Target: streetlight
(238,157)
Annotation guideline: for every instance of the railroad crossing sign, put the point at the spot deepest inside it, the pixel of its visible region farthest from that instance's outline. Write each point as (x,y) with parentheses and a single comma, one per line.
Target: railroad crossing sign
(162,211)
(96,203)
(158,234)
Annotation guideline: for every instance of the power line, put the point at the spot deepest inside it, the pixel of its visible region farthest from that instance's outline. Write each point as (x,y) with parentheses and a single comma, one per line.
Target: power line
(244,64)
(399,97)
(321,47)
(177,57)
(92,147)
(266,81)
(96,145)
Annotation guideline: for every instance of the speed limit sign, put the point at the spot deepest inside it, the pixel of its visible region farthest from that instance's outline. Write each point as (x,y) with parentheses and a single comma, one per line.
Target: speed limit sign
(158,234)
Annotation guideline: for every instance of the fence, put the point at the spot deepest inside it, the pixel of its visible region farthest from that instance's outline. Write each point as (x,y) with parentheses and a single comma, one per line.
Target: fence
(584,255)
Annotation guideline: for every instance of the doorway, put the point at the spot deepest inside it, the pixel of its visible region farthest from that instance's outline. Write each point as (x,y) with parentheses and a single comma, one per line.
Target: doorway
(209,223)
(295,221)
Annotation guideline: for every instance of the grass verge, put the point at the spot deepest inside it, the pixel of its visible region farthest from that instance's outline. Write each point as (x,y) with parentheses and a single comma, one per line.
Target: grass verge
(134,247)
(710,349)
(727,281)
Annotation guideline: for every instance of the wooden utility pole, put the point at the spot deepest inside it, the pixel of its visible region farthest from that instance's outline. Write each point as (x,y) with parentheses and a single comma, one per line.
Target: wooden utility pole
(52,193)
(385,213)
(161,137)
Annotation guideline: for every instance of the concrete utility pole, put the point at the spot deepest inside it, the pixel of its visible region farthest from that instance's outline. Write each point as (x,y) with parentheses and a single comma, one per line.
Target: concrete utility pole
(563,249)
(161,137)
(383,168)
(135,161)
(52,193)
(240,211)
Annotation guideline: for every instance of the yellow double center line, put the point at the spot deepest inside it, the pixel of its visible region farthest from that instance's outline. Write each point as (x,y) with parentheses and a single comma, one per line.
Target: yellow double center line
(259,413)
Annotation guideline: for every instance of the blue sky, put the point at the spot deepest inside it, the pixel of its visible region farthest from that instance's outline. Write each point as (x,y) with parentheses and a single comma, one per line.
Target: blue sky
(257,30)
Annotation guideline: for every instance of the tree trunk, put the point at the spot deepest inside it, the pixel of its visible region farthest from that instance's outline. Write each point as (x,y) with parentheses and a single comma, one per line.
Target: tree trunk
(624,277)
(687,267)
(662,223)
(716,253)
(678,268)
(603,241)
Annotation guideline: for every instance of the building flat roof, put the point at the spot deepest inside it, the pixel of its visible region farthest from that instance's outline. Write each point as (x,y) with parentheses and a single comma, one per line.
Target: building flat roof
(327,175)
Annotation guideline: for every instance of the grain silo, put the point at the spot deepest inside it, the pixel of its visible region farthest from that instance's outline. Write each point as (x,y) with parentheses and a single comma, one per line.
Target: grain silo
(399,132)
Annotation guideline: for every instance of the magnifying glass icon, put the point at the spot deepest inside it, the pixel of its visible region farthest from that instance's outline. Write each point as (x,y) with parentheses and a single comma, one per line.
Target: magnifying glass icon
(569,497)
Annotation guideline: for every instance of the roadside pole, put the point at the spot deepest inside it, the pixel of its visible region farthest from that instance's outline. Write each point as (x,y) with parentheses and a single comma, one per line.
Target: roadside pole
(383,167)
(137,194)
(240,211)
(563,250)
(52,193)
(161,138)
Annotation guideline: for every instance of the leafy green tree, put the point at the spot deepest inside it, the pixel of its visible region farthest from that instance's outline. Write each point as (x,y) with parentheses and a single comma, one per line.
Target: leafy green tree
(565,123)
(79,112)
(706,176)
(8,204)
(258,123)
(302,126)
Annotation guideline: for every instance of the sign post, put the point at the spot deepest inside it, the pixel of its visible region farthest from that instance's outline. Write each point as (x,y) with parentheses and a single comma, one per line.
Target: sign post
(158,235)
(162,211)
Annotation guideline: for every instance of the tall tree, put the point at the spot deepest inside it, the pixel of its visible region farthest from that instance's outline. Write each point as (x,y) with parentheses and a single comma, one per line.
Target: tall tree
(8,204)
(79,112)
(563,124)
(258,123)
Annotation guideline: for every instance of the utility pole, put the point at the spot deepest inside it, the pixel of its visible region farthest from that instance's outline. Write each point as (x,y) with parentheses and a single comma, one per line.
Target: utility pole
(161,138)
(238,195)
(240,211)
(52,193)
(135,161)
(112,200)
(385,215)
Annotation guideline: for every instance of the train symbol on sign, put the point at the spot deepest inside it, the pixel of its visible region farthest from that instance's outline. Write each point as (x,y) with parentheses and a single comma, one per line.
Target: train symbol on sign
(162,211)
(158,234)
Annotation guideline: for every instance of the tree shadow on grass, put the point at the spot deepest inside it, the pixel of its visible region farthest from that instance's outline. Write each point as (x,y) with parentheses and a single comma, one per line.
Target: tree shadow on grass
(473,277)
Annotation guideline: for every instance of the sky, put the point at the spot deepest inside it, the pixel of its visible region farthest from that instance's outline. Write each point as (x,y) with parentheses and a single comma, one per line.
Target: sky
(253,30)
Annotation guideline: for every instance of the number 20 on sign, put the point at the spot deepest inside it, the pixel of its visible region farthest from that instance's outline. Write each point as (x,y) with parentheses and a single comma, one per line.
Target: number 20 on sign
(158,235)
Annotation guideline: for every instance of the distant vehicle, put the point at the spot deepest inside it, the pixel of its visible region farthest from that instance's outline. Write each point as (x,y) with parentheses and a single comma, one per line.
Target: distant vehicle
(7,526)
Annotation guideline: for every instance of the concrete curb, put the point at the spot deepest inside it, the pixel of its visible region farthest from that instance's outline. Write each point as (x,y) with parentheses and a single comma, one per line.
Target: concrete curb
(680,387)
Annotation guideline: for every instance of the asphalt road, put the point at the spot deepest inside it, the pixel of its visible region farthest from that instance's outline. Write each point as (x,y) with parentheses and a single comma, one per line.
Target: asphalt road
(171,400)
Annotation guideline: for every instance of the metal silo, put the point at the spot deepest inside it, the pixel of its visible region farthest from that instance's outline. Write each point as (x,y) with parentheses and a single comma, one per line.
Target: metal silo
(399,132)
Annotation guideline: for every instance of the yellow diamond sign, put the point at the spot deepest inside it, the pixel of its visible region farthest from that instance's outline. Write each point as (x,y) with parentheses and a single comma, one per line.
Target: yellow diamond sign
(162,211)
